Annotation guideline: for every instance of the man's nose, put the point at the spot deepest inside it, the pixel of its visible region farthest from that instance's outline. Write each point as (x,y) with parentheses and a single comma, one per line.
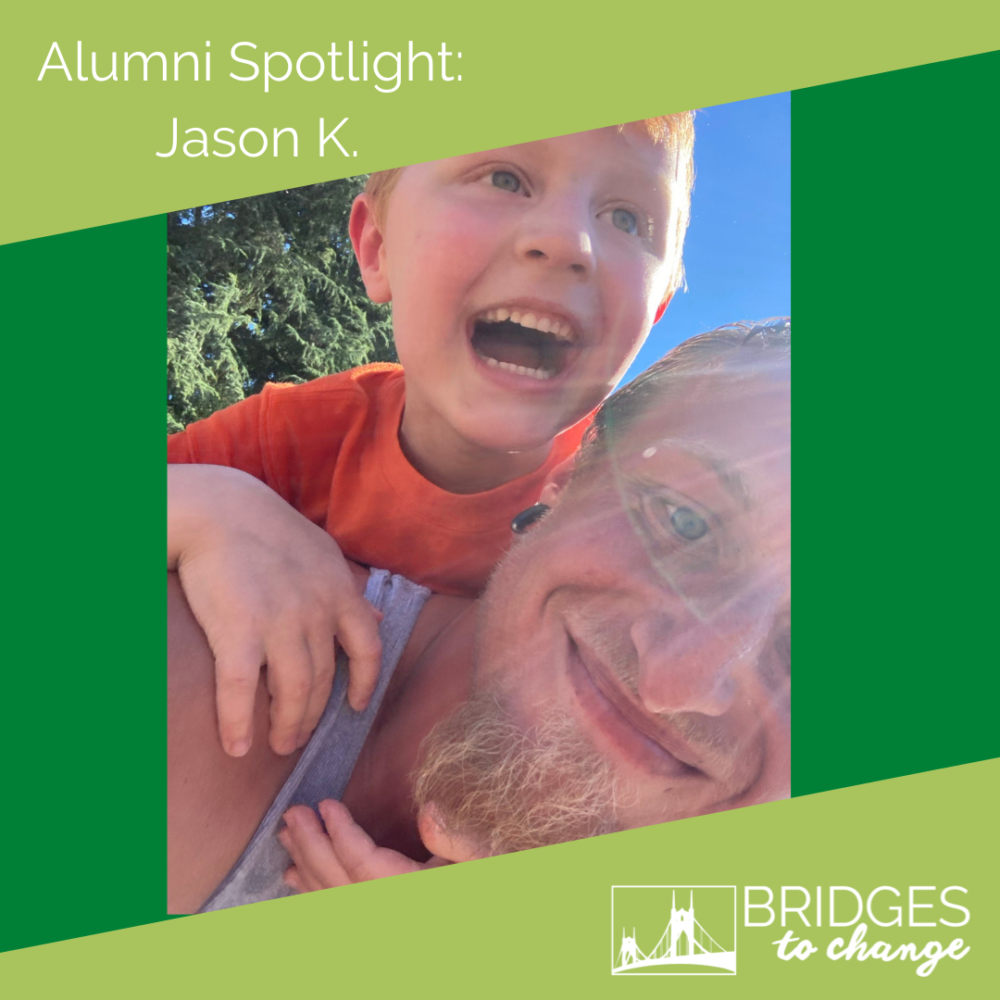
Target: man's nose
(558,234)
(685,665)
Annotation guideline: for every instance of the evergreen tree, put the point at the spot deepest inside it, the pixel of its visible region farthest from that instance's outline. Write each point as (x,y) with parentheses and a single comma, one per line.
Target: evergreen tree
(265,289)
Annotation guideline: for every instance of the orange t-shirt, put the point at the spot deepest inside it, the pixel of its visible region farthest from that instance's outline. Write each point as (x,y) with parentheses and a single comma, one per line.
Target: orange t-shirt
(331,449)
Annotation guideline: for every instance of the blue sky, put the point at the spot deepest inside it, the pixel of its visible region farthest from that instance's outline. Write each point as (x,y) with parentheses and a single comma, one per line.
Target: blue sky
(736,255)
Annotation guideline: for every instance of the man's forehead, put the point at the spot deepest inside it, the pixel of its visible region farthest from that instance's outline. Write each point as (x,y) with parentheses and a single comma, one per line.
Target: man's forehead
(685,461)
(736,418)
(724,439)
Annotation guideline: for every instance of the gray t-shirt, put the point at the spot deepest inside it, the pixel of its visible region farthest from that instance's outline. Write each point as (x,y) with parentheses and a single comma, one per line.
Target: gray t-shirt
(329,758)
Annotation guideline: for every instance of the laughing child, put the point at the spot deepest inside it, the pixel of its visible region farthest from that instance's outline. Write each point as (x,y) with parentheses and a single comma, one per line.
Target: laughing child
(523,282)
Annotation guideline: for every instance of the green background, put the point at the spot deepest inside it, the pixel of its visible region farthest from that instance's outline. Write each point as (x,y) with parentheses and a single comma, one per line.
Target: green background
(528,70)
(895,216)
(539,923)
(894,225)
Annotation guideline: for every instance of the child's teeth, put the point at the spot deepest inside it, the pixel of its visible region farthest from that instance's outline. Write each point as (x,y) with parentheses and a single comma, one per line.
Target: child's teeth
(539,373)
(530,321)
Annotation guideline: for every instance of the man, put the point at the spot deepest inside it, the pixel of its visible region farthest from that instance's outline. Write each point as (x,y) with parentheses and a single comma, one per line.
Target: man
(627,665)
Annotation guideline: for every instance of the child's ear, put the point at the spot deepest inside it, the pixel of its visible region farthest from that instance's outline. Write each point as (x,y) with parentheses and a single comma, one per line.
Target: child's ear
(558,479)
(369,249)
(662,308)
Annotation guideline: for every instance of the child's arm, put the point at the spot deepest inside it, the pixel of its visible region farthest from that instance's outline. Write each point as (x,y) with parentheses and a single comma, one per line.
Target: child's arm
(341,853)
(267,586)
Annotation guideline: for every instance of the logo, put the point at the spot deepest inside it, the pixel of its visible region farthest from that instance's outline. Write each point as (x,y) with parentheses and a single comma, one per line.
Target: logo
(673,930)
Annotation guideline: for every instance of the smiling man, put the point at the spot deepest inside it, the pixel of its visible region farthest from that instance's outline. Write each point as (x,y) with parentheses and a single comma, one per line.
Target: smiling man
(629,663)
(643,624)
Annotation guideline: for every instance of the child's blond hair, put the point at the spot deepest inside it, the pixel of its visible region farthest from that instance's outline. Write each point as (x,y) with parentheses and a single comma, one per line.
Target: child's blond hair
(675,132)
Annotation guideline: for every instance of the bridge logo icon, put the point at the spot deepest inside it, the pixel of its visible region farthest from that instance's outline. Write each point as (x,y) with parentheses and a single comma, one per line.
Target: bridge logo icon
(662,919)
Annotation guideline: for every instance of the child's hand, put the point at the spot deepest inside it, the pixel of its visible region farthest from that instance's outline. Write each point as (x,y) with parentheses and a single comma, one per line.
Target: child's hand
(339,855)
(267,586)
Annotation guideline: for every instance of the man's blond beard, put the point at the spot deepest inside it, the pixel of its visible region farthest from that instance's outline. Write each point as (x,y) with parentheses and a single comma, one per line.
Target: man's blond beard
(508,787)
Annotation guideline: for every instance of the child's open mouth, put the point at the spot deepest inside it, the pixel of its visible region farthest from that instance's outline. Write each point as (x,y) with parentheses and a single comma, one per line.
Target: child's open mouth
(523,342)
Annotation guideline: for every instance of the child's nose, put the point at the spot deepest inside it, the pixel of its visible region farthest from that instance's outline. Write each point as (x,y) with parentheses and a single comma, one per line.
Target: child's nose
(559,237)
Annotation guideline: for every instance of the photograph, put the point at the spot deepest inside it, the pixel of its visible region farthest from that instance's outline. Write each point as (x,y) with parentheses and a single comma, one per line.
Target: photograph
(472,670)
(462,559)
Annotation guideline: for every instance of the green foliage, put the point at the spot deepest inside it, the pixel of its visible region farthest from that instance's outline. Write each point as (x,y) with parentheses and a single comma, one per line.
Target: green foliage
(265,289)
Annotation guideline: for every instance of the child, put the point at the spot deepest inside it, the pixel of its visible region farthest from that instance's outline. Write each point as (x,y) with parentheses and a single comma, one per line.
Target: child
(523,282)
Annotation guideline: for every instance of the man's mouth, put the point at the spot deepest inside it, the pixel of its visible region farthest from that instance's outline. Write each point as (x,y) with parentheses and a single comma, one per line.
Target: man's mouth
(524,341)
(639,739)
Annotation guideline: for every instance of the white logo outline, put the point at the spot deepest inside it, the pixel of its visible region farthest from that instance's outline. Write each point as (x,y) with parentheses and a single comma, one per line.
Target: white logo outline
(682,929)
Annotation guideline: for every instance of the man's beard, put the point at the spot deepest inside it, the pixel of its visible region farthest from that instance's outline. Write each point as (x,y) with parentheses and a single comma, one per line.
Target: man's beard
(508,787)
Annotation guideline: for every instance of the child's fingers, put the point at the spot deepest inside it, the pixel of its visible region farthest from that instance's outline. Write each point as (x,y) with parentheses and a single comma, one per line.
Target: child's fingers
(356,851)
(237,671)
(304,880)
(324,653)
(310,848)
(290,681)
(357,632)
(293,881)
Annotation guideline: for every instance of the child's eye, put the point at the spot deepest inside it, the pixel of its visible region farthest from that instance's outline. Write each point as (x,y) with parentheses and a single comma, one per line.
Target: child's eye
(507,181)
(623,219)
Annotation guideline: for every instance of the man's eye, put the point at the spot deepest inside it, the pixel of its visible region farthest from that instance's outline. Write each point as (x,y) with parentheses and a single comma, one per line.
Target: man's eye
(507,181)
(688,524)
(683,521)
(623,219)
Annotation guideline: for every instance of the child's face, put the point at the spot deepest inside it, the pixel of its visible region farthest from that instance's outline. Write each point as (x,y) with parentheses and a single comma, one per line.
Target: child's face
(525,279)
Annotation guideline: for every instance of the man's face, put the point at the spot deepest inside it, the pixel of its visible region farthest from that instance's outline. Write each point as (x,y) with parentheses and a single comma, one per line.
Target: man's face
(643,608)
(524,279)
